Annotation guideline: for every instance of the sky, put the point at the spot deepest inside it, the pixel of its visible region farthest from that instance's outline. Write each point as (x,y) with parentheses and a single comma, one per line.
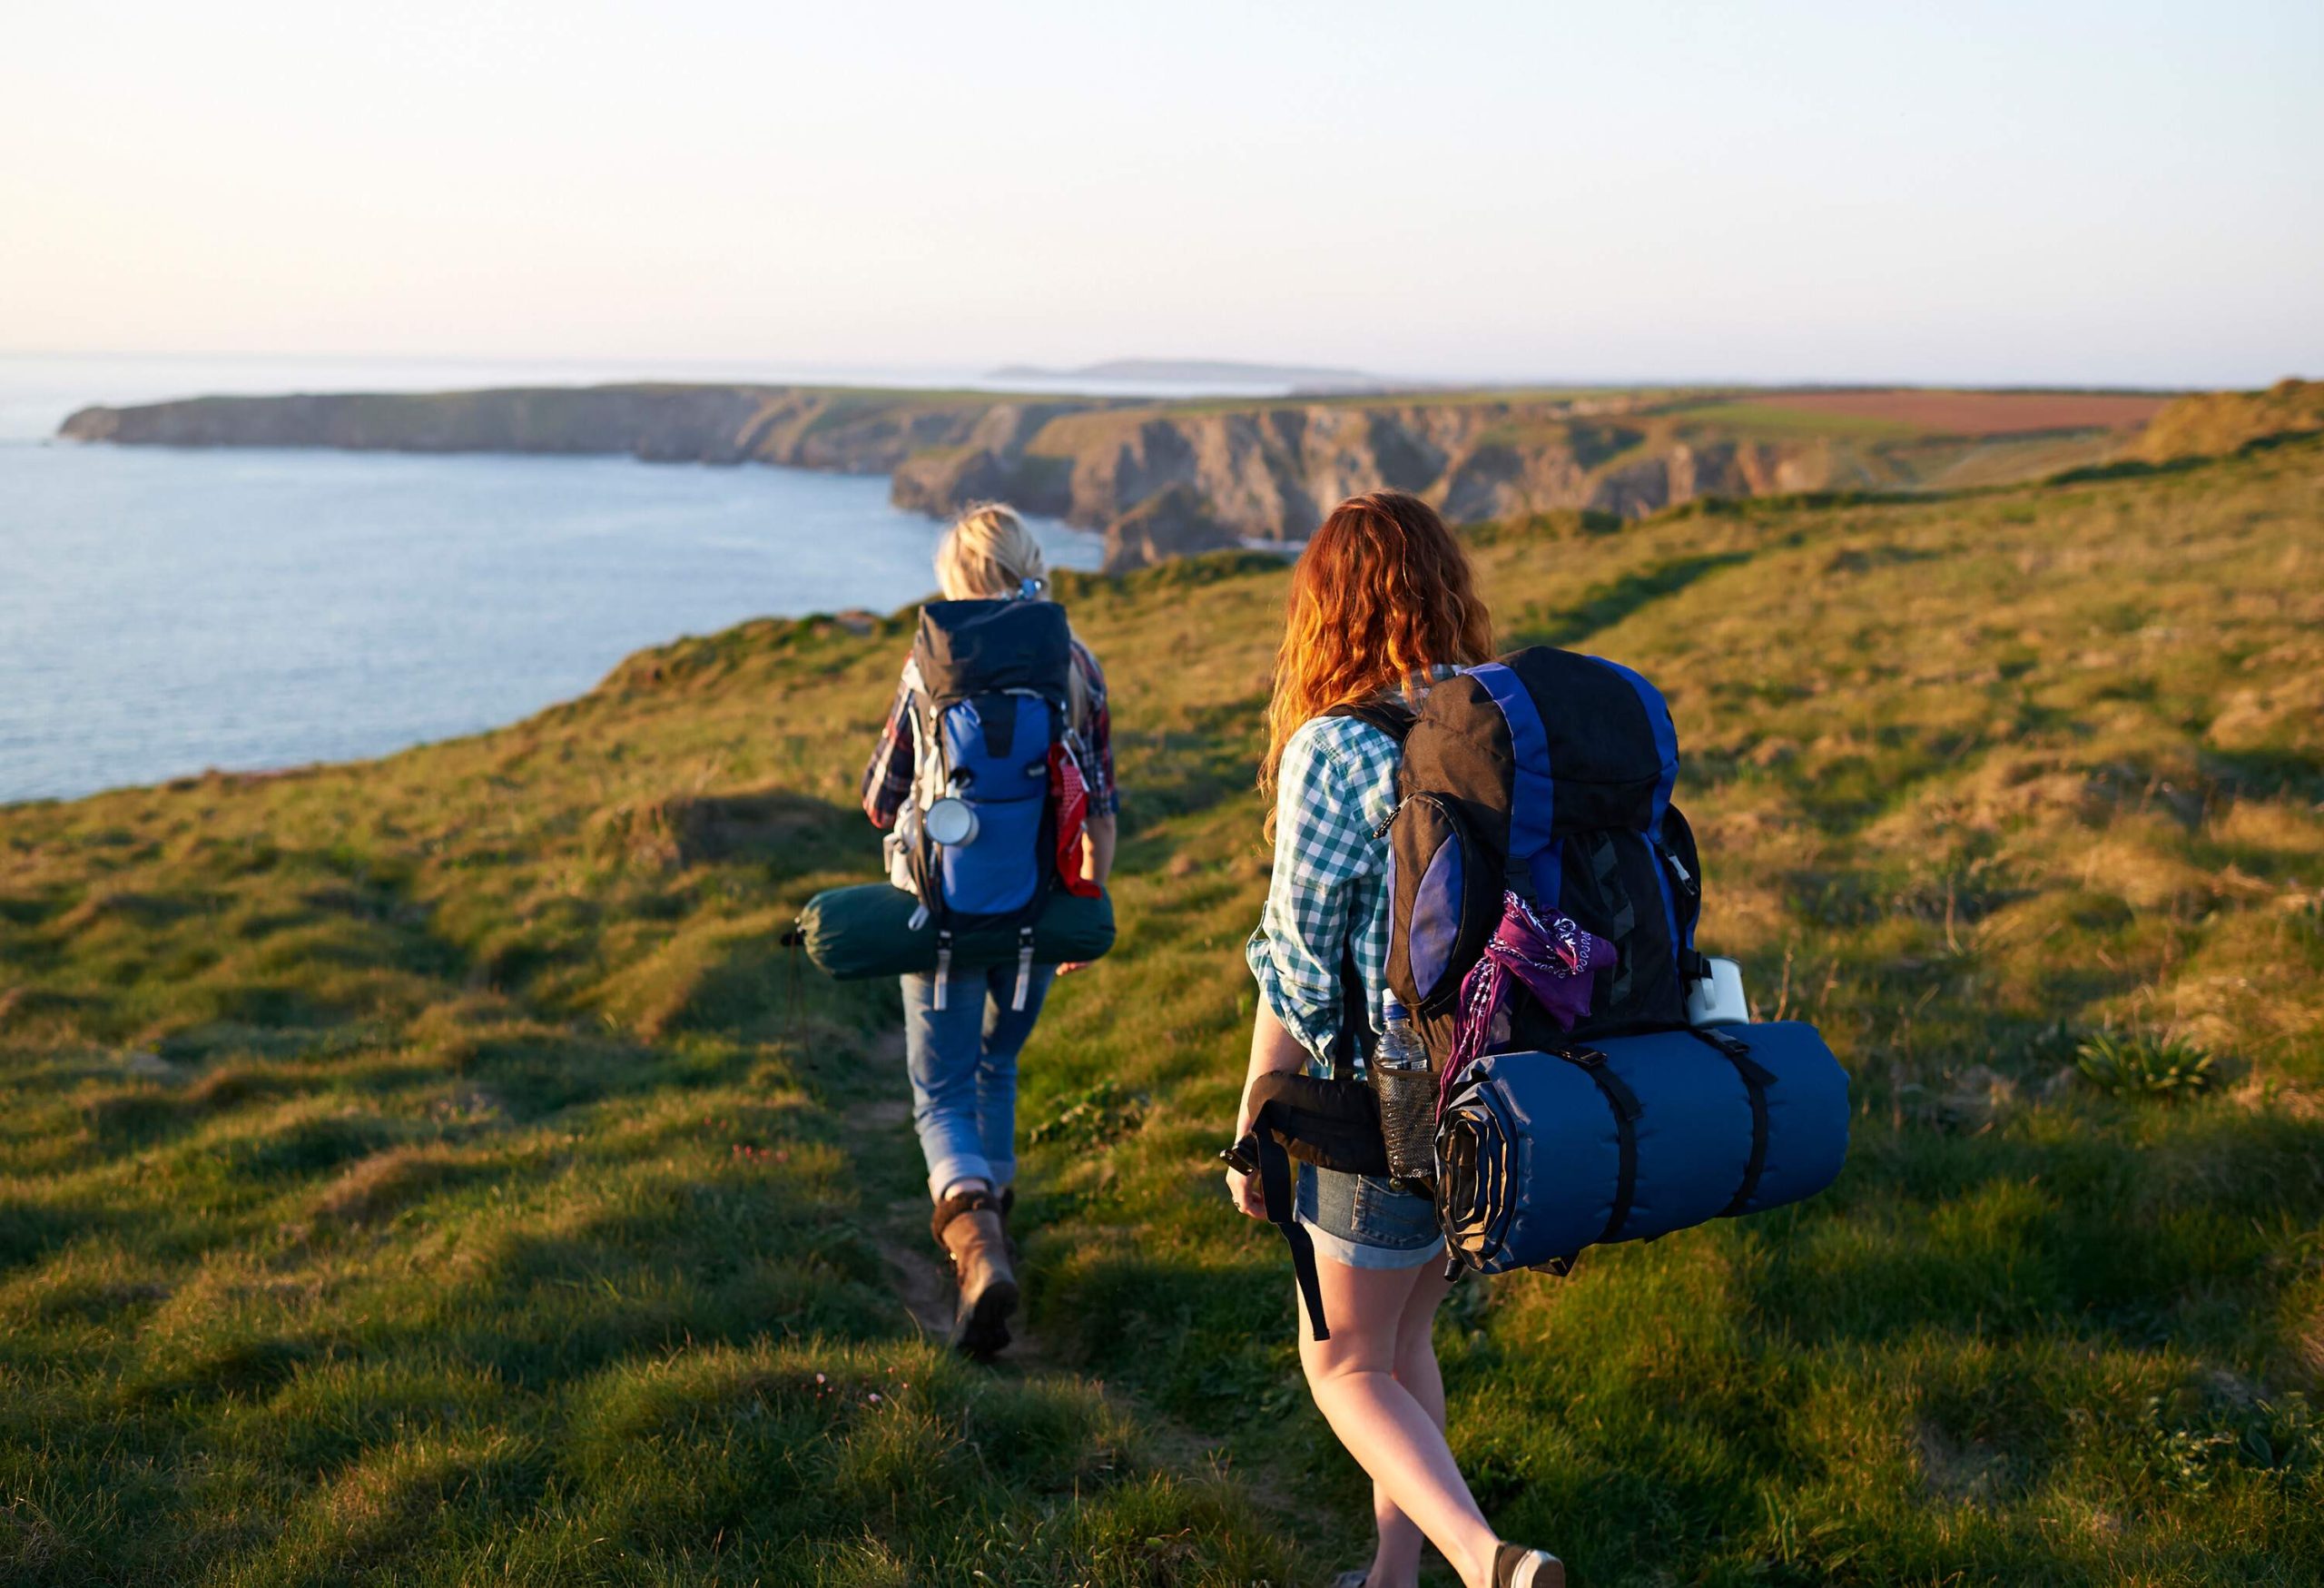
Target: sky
(2065,192)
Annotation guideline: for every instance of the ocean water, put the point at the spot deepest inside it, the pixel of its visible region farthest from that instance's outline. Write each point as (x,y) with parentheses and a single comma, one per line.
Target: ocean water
(166,611)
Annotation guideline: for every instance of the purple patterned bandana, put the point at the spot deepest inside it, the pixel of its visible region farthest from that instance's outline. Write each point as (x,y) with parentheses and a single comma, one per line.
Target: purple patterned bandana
(1556,960)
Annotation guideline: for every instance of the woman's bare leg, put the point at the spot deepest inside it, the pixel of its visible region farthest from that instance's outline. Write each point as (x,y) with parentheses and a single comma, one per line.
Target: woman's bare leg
(1395,1562)
(1394,1434)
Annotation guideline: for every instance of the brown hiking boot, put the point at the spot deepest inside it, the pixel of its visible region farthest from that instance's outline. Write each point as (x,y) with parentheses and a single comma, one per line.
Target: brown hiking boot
(968,1226)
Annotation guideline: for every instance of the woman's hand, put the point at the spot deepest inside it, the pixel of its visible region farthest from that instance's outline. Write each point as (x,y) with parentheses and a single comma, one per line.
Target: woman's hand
(1274,1050)
(1243,1190)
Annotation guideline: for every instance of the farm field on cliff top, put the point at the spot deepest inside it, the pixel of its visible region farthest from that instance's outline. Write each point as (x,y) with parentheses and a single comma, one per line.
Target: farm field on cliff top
(430,1170)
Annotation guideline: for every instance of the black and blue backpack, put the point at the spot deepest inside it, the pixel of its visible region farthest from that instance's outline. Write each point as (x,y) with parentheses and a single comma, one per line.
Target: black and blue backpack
(991,684)
(990,689)
(1546,773)
(984,862)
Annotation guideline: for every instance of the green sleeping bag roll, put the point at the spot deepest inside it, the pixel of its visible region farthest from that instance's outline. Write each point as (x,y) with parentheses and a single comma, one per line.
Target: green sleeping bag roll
(865,931)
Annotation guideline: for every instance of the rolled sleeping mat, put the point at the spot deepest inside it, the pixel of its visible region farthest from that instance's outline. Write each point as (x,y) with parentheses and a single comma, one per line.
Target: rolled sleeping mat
(857,933)
(1540,1155)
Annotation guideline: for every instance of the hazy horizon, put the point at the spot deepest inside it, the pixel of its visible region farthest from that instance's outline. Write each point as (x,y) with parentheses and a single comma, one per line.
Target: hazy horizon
(585,370)
(1772,193)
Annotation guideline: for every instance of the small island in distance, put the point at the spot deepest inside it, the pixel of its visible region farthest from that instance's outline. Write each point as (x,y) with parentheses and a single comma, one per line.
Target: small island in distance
(1299,379)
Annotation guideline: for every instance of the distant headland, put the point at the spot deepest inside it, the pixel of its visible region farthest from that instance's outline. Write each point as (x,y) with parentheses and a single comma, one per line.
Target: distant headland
(1165,478)
(1299,379)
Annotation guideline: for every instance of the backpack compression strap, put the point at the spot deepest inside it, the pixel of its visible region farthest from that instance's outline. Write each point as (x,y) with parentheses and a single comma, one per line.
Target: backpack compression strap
(1627,1109)
(1394,718)
(1757,1079)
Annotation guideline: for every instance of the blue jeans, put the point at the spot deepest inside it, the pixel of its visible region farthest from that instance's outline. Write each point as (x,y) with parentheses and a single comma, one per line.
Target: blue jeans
(963,1064)
(1357,1219)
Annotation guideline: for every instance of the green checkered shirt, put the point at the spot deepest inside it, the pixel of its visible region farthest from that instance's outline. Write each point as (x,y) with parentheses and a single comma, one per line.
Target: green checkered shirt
(1335,787)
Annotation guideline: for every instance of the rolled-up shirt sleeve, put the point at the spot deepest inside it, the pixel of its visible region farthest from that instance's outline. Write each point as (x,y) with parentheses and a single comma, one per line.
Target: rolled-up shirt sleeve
(1097,732)
(1322,846)
(887,777)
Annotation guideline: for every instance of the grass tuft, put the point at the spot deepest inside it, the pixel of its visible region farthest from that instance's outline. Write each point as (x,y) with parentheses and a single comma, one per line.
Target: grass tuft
(2145,1064)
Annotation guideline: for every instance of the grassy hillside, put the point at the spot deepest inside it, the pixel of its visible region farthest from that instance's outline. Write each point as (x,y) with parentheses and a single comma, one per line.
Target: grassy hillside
(432,1171)
(2212,422)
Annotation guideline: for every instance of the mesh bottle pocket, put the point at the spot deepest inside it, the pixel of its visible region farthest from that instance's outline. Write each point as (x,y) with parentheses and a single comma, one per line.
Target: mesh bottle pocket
(1407,1119)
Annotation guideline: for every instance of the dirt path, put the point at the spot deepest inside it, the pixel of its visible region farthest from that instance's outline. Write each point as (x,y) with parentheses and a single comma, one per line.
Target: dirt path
(878,1135)
(879,1132)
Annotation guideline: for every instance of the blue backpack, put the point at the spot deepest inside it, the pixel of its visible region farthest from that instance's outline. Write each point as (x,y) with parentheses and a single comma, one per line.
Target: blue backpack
(1548,774)
(991,685)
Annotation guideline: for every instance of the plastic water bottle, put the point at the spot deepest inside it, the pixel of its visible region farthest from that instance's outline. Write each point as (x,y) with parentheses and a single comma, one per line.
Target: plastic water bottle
(1399,1044)
(1406,1089)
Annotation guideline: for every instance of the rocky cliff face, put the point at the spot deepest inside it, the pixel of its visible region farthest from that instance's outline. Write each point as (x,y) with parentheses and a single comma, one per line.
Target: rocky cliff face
(1272,472)
(1176,522)
(989,464)
(1161,480)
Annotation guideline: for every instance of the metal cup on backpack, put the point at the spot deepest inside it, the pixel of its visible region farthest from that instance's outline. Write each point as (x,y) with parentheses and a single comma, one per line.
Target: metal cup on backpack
(1715,998)
(950,821)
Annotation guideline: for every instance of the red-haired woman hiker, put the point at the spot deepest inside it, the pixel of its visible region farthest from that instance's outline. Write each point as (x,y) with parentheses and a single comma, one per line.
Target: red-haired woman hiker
(1383,601)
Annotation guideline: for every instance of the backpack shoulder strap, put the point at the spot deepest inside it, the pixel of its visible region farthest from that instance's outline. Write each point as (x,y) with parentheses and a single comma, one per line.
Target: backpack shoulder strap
(1356,1039)
(1392,715)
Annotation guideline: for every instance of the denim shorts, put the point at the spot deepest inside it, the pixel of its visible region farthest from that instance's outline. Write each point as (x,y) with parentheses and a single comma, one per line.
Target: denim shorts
(1358,1220)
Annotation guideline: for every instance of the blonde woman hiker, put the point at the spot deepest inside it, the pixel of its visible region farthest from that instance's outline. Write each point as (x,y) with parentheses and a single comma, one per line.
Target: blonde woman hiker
(1382,604)
(963,1031)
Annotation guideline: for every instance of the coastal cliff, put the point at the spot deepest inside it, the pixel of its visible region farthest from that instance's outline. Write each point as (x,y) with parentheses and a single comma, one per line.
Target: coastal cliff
(847,429)
(1164,479)
(1170,479)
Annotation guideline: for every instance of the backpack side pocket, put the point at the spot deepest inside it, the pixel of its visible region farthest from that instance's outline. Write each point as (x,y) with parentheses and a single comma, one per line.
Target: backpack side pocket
(1443,902)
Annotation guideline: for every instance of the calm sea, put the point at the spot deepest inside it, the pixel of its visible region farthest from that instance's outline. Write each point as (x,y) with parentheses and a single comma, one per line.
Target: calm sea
(166,611)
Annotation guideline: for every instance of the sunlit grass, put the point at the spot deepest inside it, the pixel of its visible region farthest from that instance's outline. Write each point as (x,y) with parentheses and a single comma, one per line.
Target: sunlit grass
(435,1171)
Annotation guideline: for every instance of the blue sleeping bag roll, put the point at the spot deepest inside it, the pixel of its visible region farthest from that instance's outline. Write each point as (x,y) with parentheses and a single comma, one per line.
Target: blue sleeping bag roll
(1540,1155)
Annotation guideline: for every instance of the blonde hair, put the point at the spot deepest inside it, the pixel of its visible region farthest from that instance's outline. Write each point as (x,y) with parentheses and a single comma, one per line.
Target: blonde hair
(988,554)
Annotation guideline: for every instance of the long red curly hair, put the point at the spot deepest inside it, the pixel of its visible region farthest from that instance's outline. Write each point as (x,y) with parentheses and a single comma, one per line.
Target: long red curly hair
(1381,592)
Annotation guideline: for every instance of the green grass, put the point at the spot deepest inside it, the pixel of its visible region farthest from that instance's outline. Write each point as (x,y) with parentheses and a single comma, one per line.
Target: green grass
(430,1171)
(2145,1063)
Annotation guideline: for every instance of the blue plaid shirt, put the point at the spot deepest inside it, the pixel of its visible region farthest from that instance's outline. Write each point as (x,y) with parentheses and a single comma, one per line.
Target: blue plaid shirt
(1335,787)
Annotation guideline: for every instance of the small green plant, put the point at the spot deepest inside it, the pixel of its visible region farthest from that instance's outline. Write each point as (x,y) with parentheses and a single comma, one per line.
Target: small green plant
(1093,1117)
(2145,1064)
(2183,1458)
(2277,1437)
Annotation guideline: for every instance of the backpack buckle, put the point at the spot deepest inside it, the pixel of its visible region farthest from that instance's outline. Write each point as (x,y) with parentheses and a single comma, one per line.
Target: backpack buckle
(1024,968)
